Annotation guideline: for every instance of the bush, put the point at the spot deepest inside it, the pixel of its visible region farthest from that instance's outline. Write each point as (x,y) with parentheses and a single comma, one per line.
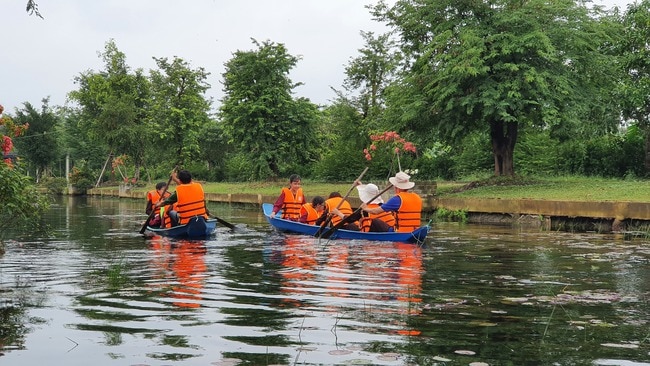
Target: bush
(473,155)
(22,206)
(55,186)
(239,168)
(536,153)
(81,177)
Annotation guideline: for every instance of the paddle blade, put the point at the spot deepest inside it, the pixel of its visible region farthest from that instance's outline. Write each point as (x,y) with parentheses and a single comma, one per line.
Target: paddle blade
(224,222)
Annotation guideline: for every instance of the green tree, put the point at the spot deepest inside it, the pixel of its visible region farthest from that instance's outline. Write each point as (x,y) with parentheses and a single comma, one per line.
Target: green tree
(114,104)
(634,91)
(179,108)
(370,73)
(214,150)
(345,140)
(80,144)
(39,145)
(260,116)
(476,65)
(22,205)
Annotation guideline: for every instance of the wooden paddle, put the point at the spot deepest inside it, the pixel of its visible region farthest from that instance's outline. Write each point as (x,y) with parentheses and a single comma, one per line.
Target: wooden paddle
(220,220)
(328,219)
(153,211)
(350,217)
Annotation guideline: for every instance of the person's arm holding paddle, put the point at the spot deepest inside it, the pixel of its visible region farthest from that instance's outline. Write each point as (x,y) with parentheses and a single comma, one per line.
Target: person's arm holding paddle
(406,205)
(171,177)
(328,215)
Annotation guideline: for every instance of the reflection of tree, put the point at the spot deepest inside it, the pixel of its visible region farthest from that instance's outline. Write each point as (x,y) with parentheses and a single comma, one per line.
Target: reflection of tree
(13,313)
(12,327)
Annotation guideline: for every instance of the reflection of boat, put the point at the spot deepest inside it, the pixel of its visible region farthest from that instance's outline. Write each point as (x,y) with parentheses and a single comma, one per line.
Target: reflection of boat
(197,227)
(416,236)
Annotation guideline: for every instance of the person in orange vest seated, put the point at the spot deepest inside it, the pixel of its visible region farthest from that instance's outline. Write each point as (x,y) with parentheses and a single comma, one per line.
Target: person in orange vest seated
(366,194)
(153,196)
(405,205)
(310,212)
(338,209)
(188,200)
(290,200)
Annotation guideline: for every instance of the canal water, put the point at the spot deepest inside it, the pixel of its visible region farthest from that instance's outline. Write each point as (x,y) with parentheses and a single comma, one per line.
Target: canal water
(93,291)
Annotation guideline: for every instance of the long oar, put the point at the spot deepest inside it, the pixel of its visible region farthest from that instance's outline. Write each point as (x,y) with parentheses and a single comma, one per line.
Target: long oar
(222,221)
(328,219)
(153,211)
(350,217)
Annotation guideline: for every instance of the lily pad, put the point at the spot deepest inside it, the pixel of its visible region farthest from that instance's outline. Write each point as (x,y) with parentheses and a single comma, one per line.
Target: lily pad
(465,352)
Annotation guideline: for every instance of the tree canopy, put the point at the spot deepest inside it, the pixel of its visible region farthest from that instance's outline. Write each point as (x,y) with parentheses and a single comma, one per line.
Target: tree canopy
(495,65)
(39,144)
(271,128)
(465,81)
(114,104)
(179,106)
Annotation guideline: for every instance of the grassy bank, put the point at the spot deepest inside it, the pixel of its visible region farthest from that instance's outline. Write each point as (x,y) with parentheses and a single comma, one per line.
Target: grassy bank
(555,188)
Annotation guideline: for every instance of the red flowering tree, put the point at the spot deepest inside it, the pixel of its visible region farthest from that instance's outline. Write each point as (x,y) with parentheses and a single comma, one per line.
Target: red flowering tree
(22,204)
(8,129)
(389,143)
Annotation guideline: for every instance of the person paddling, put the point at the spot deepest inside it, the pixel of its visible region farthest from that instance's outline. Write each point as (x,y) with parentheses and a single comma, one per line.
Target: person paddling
(338,208)
(310,212)
(405,205)
(366,194)
(188,200)
(153,196)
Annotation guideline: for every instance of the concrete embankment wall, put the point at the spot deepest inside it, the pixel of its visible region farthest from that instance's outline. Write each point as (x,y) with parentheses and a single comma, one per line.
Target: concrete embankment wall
(581,215)
(597,216)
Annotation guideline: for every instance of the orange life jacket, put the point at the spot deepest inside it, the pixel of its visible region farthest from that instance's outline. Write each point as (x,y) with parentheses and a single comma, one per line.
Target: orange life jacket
(153,196)
(332,203)
(292,204)
(164,215)
(312,214)
(191,202)
(409,214)
(386,217)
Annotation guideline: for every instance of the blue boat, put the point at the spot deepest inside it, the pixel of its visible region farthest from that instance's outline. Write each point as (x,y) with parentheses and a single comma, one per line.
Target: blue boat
(197,227)
(416,236)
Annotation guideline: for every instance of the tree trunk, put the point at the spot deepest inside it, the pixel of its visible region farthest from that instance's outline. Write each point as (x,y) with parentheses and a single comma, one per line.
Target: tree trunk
(108,159)
(136,174)
(503,136)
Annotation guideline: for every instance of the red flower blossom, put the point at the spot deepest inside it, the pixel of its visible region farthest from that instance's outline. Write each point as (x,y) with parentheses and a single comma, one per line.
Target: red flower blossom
(395,142)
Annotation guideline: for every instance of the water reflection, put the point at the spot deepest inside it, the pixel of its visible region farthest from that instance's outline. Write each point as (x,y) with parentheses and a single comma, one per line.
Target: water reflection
(179,269)
(97,290)
(377,281)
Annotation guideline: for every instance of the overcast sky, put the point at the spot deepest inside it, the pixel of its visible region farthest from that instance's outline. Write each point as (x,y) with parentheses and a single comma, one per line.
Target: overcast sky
(40,57)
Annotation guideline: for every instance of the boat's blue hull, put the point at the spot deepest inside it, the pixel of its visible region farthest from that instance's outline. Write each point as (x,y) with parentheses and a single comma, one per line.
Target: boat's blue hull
(417,236)
(197,227)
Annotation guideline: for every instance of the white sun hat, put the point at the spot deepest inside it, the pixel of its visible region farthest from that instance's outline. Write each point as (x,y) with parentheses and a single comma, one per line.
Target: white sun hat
(401,181)
(368,192)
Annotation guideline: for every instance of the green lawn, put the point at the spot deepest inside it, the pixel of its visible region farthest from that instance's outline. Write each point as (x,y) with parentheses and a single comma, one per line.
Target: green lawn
(556,188)
(564,189)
